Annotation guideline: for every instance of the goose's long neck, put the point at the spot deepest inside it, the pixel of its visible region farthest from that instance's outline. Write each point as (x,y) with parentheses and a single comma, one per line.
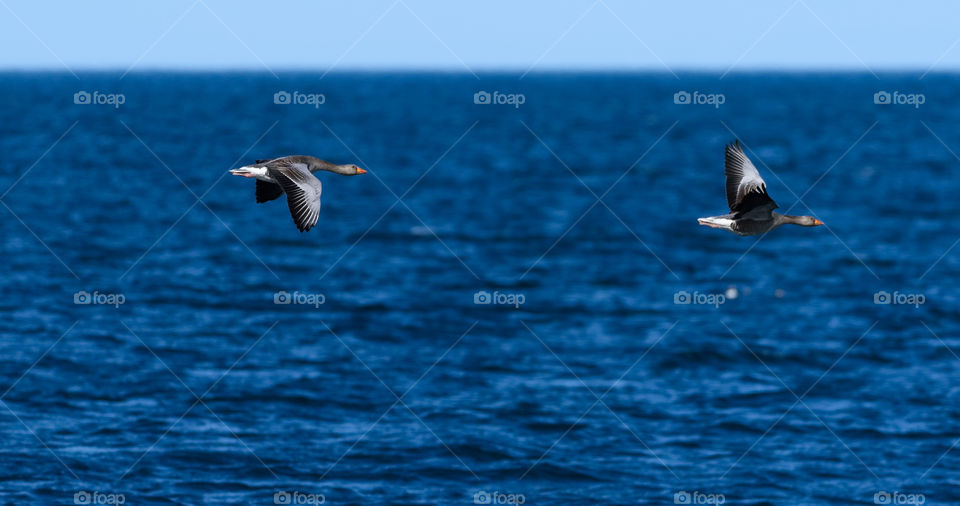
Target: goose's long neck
(318,164)
(785,218)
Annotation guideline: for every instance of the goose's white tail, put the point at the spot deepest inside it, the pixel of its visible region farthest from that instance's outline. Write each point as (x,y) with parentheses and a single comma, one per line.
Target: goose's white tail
(716,222)
(250,171)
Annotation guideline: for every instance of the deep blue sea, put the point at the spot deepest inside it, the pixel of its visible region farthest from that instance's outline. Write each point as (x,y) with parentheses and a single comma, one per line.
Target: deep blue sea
(495,312)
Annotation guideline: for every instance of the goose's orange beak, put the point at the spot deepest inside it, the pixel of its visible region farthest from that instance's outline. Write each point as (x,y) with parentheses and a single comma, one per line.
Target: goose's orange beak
(817,222)
(361,171)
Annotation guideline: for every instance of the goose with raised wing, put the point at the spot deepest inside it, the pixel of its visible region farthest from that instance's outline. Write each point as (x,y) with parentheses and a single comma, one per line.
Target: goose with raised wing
(293,175)
(751,208)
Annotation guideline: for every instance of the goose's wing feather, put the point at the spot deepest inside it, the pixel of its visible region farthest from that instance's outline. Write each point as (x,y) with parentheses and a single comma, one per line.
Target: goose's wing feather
(268,161)
(746,190)
(302,189)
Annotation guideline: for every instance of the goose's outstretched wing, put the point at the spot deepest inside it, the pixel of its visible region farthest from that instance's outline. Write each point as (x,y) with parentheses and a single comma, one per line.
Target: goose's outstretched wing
(746,191)
(302,189)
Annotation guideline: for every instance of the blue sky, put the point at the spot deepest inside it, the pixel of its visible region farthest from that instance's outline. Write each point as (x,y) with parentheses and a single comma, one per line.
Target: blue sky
(498,34)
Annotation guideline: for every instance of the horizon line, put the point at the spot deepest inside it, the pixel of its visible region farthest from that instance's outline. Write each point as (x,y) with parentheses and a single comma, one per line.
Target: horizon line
(484,69)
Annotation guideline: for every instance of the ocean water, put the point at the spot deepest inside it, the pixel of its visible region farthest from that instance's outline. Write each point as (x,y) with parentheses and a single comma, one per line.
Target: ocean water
(584,379)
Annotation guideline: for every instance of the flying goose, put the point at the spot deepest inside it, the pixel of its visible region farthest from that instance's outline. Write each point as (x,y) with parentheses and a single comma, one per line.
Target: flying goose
(750,205)
(293,175)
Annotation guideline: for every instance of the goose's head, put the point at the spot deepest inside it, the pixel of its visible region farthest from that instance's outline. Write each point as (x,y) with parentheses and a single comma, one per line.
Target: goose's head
(806,221)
